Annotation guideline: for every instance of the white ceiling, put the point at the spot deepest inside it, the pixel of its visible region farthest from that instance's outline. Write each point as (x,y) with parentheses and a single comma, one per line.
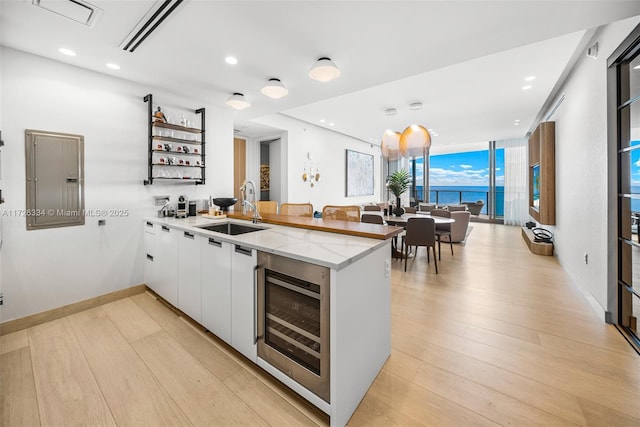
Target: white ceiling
(465,61)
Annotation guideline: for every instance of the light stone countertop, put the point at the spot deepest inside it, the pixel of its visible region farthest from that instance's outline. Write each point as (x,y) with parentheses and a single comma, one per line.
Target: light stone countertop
(327,249)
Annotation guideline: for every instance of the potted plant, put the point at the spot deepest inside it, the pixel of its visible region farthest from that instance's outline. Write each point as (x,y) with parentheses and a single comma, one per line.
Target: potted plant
(399,183)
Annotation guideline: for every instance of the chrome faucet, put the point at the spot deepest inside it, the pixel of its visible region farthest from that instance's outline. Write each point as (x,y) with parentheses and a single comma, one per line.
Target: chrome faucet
(246,205)
(161,212)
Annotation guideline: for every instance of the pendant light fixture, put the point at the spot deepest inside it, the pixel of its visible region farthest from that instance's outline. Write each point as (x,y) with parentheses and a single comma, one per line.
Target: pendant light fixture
(324,70)
(237,101)
(390,145)
(415,141)
(274,89)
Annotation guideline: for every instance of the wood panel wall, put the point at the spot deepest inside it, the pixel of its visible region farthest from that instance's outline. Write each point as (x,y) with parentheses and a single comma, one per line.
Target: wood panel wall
(239,167)
(542,151)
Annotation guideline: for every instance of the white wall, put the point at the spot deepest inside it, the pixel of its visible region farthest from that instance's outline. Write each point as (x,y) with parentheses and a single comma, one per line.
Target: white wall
(44,269)
(327,150)
(582,212)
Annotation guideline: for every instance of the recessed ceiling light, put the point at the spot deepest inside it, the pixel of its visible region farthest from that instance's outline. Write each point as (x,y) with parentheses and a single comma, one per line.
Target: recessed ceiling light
(516,123)
(391,111)
(370,139)
(527,87)
(66,51)
(516,120)
(331,124)
(529,79)
(231,60)
(113,66)
(415,106)
(322,120)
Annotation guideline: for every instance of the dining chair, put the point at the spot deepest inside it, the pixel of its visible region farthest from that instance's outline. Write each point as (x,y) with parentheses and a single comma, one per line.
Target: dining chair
(372,219)
(267,206)
(420,232)
(341,213)
(375,208)
(297,209)
(409,209)
(443,230)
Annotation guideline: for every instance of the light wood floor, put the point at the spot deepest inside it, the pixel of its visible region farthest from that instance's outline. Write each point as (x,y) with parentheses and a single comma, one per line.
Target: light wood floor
(499,337)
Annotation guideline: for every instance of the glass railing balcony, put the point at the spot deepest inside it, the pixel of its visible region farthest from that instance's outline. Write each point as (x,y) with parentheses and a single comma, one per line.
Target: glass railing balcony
(458,196)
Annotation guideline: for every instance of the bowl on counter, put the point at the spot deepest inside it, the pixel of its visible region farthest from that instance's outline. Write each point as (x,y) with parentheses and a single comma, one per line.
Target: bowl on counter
(224,202)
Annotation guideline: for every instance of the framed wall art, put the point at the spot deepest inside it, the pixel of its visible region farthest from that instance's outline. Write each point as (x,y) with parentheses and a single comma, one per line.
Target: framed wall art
(359,174)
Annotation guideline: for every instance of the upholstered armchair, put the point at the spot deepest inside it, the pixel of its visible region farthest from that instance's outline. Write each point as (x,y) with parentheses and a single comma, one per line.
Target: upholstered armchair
(459,227)
(474,207)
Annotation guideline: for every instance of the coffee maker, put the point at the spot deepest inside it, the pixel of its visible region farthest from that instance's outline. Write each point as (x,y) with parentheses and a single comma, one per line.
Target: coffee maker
(181,212)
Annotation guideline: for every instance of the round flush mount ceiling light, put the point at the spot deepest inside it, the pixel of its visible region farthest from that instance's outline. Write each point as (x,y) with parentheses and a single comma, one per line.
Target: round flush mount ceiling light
(113,66)
(230,60)
(237,101)
(65,51)
(324,70)
(274,89)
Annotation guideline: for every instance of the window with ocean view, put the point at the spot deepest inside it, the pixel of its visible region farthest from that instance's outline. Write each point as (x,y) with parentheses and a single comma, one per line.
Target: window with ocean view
(461,177)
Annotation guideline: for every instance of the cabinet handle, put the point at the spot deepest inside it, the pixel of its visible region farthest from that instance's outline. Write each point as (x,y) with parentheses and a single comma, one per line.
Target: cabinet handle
(255,304)
(213,242)
(188,235)
(149,257)
(165,228)
(149,224)
(243,251)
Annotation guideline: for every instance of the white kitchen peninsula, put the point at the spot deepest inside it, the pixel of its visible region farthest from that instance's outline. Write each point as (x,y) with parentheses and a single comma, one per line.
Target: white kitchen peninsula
(360,293)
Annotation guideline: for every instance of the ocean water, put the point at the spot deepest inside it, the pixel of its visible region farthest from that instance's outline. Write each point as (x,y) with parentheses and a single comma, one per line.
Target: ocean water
(452,195)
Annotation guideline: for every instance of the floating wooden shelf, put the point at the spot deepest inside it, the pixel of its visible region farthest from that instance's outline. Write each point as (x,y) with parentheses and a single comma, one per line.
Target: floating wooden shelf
(176,127)
(537,248)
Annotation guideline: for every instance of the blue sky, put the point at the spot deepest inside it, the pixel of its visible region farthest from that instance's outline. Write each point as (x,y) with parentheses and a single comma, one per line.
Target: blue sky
(635,164)
(470,168)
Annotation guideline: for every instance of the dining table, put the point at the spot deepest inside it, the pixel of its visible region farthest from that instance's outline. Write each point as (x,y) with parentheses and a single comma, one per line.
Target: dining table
(401,221)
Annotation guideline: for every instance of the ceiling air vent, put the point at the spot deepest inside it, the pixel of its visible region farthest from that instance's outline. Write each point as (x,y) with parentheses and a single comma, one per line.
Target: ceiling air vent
(76,10)
(158,13)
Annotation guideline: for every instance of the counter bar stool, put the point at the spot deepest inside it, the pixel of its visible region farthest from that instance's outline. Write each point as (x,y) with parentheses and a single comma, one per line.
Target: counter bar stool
(297,209)
(342,213)
(267,206)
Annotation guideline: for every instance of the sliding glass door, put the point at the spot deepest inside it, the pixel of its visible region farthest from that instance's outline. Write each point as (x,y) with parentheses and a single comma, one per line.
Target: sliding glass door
(626,69)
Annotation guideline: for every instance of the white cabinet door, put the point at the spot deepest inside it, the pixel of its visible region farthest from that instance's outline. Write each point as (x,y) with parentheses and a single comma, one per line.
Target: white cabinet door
(190,274)
(243,304)
(216,287)
(166,259)
(150,264)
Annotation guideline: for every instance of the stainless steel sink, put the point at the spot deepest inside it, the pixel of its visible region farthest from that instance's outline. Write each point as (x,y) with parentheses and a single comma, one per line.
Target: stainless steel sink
(230,228)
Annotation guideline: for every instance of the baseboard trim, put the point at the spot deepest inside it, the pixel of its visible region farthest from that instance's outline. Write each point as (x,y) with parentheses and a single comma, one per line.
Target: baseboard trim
(57,313)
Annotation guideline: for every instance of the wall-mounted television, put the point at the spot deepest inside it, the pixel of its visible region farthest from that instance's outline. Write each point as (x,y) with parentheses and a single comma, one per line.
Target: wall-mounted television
(535,176)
